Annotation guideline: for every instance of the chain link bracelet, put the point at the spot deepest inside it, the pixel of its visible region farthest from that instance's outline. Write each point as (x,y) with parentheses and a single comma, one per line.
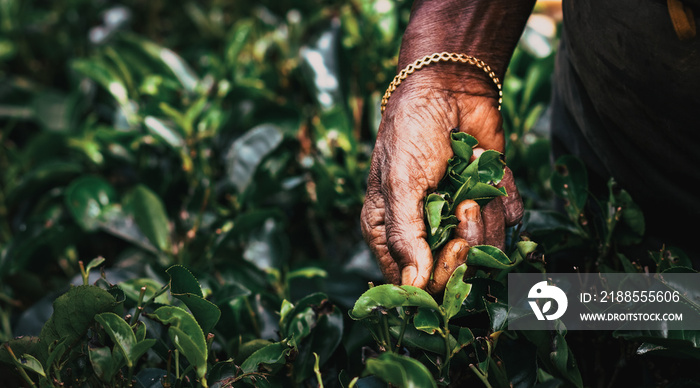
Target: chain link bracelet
(442,57)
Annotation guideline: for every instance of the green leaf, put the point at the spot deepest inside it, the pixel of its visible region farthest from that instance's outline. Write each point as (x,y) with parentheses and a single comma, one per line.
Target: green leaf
(463,145)
(289,312)
(434,205)
(673,343)
(390,296)
(400,371)
(456,291)
(414,338)
(182,281)
(443,233)
(132,289)
(237,39)
(87,198)
(489,167)
(307,273)
(94,263)
(480,191)
(123,337)
(300,326)
(105,362)
(325,337)
(554,354)
(570,181)
(103,74)
(427,320)
(149,213)
(164,131)
(30,363)
(273,355)
(182,71)
(564,361)
(465,337)
(488,256)
(186,335)
(498,314)
(19,345)
(120,332)
(462,193)
(248,151)
(74,314)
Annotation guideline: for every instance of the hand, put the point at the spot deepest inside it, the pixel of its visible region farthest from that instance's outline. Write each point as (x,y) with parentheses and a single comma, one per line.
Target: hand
(409,159)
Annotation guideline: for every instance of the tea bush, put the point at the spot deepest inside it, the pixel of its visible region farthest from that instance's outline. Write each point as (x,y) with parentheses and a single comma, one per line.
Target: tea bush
(179,201)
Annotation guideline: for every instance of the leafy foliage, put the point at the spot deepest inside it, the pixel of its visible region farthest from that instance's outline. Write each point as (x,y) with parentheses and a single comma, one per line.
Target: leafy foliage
(464,179)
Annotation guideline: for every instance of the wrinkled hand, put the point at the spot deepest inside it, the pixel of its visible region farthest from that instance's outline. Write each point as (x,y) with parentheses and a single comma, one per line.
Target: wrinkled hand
(409,159)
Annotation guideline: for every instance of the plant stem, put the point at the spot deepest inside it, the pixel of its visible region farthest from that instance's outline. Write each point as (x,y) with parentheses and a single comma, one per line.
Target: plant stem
(480,375)
(139,306)
(385,333)
(130,377)
(18,366)
(445,333)
(83,273)
(177,365)
(404,324)
(317,371)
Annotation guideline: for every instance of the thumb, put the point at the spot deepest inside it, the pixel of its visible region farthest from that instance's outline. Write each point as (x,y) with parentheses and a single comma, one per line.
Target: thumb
(406,234)
(512,204)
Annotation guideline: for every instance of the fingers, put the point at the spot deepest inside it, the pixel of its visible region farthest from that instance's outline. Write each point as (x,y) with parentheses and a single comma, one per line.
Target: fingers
(494,224)
(471,225)
(452,255)
(512,204)
(374,230)
(469,232)
(406,240)
(405,227)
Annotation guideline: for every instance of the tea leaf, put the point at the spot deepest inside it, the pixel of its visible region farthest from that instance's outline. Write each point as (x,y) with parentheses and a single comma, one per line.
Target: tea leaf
(489,256)
(427,320)
(87,199)
(186,335)
(105,362)
(149,213)
(30,363)
(273,354)
(390,296)
(456,292)
(248,151)
(74,313)
(123,337)
(400,371)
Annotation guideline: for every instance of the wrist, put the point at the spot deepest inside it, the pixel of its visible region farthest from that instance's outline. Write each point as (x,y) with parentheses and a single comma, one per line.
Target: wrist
(432,72)
(485,29)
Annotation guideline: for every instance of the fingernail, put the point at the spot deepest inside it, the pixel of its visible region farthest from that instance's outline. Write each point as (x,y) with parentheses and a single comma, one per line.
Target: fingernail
(409,275)
(468,210)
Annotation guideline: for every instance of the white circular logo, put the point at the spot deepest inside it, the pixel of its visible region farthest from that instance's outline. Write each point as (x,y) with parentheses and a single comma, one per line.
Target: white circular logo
(542,290)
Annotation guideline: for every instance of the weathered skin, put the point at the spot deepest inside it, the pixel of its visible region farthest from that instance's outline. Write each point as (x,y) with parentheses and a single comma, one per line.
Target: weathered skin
(413,142)
(452,255)
(513,204)
(471,225)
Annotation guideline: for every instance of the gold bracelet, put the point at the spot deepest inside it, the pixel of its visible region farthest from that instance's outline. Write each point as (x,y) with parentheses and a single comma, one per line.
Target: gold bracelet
(438,57)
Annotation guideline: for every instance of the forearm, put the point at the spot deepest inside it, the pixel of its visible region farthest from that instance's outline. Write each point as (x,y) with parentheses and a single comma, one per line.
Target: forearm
(486,29)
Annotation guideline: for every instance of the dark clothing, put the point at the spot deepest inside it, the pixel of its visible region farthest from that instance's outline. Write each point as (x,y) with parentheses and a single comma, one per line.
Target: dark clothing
(627,102)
